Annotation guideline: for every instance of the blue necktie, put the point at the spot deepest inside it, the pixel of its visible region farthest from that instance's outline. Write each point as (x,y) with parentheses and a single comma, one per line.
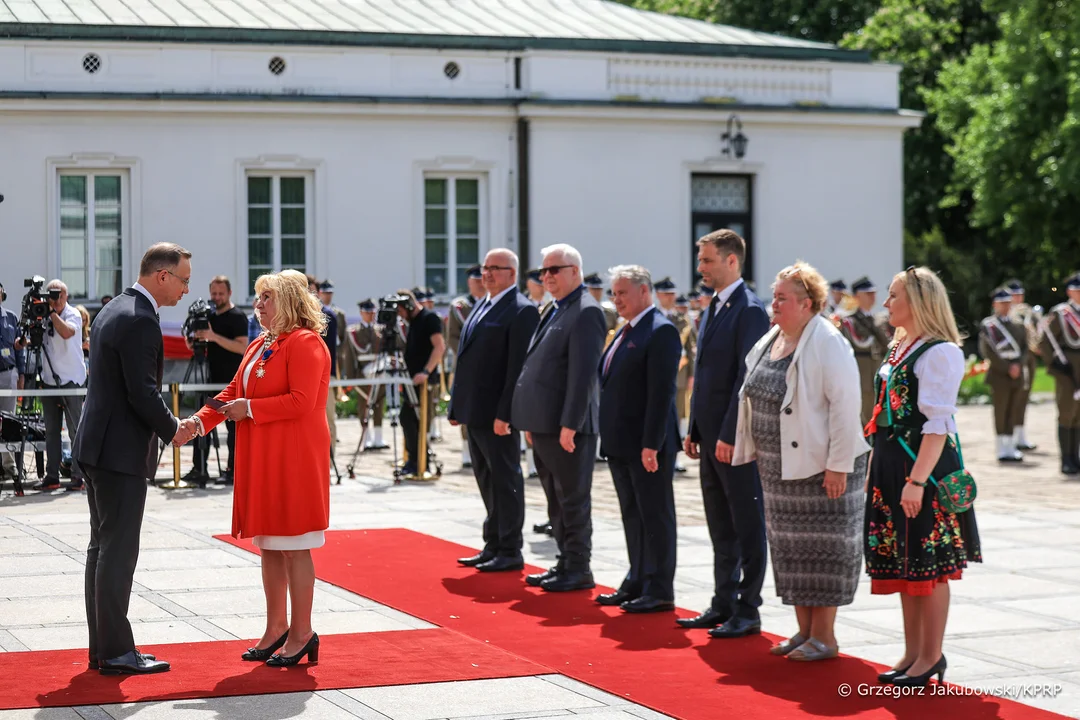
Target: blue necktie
(474,318)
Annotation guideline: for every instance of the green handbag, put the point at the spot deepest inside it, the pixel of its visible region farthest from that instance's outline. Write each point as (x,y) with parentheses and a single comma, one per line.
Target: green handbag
(956,491)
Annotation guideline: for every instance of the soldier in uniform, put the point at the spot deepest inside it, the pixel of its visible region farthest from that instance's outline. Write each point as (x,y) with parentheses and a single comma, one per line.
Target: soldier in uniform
(460,307)
(666,297)
(364,341)
(534,288)
(595,286)
(1024,314)
(326,295)
(1060,346)
(1003,343)
(868,339)
(837,291)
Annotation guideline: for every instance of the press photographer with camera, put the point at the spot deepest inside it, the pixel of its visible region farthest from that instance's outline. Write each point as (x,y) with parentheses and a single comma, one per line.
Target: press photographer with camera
(424,348)
(222,337)
(51,324)
(12,368)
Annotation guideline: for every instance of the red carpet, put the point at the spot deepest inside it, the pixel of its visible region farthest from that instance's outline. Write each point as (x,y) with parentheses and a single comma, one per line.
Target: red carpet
(214,669)
(643,658)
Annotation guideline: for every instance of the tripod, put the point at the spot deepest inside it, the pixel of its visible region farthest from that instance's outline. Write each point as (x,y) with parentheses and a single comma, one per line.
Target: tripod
(198,373)
(28,415)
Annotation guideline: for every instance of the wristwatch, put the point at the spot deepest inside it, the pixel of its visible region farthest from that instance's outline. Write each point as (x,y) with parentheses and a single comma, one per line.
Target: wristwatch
(916,483)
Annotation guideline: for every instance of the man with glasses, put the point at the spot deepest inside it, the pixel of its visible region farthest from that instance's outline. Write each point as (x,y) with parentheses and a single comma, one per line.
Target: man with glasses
(556,402)
(491,350)
(460,307)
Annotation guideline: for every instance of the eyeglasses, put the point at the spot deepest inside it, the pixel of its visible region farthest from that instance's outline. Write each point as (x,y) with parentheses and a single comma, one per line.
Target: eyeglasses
(187,282)
(553,269)
(493,268)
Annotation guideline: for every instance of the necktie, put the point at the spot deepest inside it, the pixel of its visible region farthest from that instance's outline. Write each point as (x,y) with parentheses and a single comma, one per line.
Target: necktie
(474,318)
(615,347)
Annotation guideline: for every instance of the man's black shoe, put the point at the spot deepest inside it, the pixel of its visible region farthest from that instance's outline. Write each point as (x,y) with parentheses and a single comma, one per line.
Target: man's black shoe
(708,619)
(737,627)
(75,485)
(132,663)
(542,528)
(146,656)
(616,598)
(647,604)
(501,563)
(480,557)
(47,485)
(538,579)
(408,469)
(569,580)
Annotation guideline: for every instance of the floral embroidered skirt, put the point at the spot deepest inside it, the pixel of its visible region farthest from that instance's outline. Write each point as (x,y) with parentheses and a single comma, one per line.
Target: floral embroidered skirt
(913,555)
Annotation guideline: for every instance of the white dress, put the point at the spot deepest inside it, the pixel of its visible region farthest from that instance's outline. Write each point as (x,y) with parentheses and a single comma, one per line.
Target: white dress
(307,541)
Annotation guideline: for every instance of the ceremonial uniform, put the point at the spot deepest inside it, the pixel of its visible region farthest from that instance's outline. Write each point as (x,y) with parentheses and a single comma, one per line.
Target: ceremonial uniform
(364,341)
(460,308)
(1025,315)
(1003,343)
(1060,346)
(869,340)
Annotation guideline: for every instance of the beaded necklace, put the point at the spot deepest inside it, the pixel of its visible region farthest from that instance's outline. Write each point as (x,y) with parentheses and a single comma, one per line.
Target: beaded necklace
(894,360)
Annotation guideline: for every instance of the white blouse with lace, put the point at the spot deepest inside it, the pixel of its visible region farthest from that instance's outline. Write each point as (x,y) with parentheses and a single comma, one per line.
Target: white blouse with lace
(940,371)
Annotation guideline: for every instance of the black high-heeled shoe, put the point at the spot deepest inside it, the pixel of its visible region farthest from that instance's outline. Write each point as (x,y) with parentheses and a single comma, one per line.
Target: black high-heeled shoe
(889,675)
(311,649)
(924,679)
(257,655)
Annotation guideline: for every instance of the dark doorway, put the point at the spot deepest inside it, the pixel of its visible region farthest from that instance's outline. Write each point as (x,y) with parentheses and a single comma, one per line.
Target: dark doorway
(721,201)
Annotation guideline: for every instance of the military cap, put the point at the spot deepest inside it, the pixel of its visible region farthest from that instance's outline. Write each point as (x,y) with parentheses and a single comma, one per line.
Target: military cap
(693,295)
(1073,282)
(666,285)
(863,284)
(1015,287)
(838,285)
(534,275)
(326,286)
(681,300)
(474,272)
(593,280)
(367,305)
(1002,294)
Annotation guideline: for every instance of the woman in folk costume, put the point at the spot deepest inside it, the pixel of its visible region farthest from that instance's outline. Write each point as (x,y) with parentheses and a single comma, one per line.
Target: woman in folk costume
(914,545)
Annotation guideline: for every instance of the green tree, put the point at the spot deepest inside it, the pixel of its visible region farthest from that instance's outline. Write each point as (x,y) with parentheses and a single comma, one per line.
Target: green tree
(1011,113)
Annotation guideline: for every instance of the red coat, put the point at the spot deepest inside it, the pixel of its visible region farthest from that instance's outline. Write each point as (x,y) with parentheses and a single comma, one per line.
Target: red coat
(281,468)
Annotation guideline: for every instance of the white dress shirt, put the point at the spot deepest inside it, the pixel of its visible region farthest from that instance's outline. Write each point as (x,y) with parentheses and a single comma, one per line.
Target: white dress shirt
(721,300)
(485,307)
(147,295)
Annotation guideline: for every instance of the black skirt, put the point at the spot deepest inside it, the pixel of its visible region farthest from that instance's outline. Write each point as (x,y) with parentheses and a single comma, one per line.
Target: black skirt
(913,555)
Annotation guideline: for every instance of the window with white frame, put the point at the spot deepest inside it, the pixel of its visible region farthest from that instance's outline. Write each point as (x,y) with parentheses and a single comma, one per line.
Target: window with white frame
(93,232)
(278,226)
(451,232)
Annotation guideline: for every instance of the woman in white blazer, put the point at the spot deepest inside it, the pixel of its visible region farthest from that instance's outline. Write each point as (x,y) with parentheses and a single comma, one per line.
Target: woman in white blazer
(799,418)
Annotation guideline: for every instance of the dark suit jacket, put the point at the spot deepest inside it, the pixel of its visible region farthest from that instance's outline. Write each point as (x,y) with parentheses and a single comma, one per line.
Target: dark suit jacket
(489,360)
(558,386)
(124,411)
(721,366)
(637,396)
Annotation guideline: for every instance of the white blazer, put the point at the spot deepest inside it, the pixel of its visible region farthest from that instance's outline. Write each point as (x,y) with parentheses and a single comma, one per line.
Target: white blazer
(820,427)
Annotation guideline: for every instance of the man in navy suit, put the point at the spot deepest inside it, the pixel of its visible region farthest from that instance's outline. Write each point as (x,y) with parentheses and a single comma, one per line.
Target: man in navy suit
(735,320)
(639,435)
(490,353)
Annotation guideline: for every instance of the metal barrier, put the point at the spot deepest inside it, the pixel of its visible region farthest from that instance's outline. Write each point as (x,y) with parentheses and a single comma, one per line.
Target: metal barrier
(175,390)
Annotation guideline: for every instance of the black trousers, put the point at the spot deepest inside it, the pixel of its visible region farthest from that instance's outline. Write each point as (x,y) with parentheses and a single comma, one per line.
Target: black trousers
(410,429)
(567,481)
(647,504)
(200,451)
(735,513)
(496,461)
(116,514)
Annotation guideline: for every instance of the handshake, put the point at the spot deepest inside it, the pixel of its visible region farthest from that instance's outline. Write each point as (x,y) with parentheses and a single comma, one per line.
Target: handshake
(188,429)
(236,410)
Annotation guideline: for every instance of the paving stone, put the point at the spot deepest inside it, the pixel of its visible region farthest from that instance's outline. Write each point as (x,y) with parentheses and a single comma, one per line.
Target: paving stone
(325,623)
(199,579)
(1046,650)
(62,637)
(25,545)
(39,565)
(65,609)
(245,707)
(468,698)
(43,586)
(191,559)
(41,714)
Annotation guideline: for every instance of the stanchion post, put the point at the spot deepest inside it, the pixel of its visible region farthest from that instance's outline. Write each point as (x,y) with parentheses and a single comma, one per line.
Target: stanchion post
(176,450)
(421,460)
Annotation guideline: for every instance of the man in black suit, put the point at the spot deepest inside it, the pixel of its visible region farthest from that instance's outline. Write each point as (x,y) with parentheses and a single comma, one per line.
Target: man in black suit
(639,435)
(556,402)
(490,353)
(116,446)
(733,323)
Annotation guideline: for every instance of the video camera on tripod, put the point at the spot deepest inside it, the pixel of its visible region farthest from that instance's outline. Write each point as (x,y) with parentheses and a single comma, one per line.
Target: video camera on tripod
(34,321)
(198,318)
(387,317)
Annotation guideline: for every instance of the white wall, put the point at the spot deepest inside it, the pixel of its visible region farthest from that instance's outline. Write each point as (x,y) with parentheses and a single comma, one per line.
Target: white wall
(620,192)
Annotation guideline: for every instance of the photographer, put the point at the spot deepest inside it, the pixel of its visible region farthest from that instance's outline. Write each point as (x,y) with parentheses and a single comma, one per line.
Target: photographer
(11,368)
(226,341)
(424,348)
(62,367)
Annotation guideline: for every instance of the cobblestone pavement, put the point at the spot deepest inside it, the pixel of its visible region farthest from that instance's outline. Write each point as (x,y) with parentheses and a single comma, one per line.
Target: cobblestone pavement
(1014,624)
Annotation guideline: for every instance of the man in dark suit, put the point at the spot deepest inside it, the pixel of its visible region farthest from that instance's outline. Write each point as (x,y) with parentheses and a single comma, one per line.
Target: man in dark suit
(734,321)
(639,435)
(556,401)
(116,446)
(490,353)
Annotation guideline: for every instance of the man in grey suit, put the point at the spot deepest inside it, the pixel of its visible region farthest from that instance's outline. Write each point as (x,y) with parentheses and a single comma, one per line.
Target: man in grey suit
(557,403)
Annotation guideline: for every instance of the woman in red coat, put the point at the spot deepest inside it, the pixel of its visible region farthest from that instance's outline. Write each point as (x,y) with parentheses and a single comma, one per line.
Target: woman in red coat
(281,493)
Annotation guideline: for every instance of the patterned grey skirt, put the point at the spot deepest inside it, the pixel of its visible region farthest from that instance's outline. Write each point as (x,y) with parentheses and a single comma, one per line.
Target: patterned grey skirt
(815,543)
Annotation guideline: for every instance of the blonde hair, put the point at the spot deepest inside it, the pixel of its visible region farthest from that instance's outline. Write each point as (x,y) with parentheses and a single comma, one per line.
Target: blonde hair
(930,306)
(807,281)
(296,307)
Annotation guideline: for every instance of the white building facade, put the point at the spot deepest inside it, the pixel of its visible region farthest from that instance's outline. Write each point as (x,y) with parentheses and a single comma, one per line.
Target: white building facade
(386,155)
